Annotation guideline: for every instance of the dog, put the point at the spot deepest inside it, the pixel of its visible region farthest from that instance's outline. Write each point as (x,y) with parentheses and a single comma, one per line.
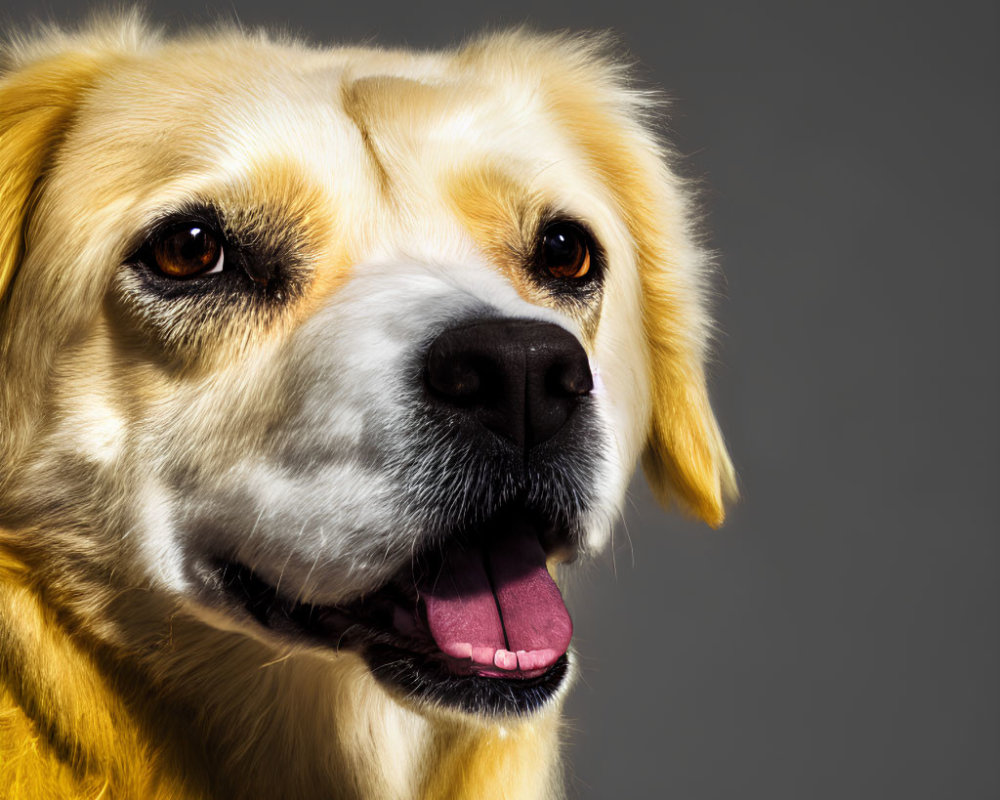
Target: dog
(317,367)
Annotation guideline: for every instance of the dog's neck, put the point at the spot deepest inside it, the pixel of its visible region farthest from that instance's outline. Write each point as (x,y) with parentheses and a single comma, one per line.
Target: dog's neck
(75,720)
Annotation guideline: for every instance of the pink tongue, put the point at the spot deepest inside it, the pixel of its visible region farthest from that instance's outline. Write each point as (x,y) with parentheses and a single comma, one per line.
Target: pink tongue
(499,606)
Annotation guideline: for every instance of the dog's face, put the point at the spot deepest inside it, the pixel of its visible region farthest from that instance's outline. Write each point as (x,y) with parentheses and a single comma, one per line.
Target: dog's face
(344,350)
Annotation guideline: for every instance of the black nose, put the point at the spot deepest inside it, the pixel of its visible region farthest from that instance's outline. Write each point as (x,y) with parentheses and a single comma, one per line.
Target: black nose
(519,378)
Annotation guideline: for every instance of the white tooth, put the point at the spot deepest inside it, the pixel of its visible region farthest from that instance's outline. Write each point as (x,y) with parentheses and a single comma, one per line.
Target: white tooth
(483,655)
(505,659)
(460,650)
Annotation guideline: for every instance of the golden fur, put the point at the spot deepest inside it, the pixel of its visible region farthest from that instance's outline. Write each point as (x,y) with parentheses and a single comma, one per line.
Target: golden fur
(109,687)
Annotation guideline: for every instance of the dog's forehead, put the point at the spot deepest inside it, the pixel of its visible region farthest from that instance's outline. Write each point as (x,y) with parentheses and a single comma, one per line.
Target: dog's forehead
(393,142)
(348,116)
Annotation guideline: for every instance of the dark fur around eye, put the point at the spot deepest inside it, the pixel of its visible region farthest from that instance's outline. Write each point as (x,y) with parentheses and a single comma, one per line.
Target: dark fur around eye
(255,264)
(266,267)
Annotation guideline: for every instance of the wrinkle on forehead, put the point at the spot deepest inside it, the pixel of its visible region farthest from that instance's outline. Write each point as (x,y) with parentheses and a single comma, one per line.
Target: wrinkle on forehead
(413,129)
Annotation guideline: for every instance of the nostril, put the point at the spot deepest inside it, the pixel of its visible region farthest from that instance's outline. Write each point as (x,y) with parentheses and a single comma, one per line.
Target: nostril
(570,378)
(454,378)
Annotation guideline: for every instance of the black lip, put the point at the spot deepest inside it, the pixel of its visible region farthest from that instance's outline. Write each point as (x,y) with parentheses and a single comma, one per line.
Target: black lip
(427,679)
(412,667)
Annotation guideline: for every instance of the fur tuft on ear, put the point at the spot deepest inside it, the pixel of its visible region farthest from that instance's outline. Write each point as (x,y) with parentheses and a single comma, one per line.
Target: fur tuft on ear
(42,78)
(685,461)
(36,103)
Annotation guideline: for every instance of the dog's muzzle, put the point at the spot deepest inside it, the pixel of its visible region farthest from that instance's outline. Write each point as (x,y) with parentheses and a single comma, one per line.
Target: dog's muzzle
(501,465)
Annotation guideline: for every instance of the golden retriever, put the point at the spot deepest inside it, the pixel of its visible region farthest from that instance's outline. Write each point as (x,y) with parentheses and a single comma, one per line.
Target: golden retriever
(316,363)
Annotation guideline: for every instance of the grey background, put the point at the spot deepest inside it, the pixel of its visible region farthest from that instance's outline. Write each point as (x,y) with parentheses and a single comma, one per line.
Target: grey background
(839,637)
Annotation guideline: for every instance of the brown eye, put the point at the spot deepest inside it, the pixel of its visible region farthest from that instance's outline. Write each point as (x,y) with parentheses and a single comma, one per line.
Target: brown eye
(188,251)
(564,251)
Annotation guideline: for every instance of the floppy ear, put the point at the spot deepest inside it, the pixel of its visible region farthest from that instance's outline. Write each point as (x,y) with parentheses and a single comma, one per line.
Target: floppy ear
(685,460)
(36,106)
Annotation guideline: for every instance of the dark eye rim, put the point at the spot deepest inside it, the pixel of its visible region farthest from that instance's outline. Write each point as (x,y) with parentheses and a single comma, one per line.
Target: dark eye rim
(267,267)
(597,256)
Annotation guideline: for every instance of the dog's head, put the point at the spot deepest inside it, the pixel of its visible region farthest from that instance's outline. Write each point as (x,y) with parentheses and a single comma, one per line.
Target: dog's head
(344,349)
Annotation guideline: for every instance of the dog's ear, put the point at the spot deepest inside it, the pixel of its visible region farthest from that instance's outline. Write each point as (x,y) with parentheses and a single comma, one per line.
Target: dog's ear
(37,102)
(685,460)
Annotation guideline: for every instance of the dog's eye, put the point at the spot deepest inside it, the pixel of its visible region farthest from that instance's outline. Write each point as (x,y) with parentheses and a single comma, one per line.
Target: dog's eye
(565,251)
(187,251)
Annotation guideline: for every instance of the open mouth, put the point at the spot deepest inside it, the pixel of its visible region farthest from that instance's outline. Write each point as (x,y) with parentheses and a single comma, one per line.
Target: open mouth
(478,624)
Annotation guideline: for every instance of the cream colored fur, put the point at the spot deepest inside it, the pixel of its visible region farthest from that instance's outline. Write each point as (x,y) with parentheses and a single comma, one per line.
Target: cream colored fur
(405,177)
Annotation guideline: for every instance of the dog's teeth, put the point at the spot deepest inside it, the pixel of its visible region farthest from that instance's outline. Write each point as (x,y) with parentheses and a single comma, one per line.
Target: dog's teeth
(460,650)
(505,659)
(533,659)
(483,655)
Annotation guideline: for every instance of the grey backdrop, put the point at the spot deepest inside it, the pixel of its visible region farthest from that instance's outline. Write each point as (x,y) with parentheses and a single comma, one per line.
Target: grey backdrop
(839,637)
